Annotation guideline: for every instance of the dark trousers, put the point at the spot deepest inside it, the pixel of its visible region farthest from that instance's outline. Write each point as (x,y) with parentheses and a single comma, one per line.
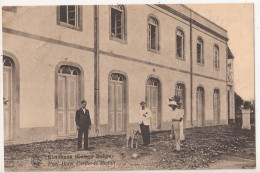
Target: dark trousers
(82,131)
(145,133)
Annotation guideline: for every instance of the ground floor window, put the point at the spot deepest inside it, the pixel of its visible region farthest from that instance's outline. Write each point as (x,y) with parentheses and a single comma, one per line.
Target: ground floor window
(8,92)
(180,91)
(68,100)
(216,106)
(153,101)
(200,106)
(117,102)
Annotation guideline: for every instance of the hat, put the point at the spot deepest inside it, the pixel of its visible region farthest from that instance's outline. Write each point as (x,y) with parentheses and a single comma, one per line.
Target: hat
(142,103)
(172,103)
(83,101)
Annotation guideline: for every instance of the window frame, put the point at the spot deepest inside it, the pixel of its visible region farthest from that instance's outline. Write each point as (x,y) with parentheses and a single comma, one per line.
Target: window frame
(216,47)
(183,44)
(67,25)
(202,60)
(124,25)
(157,35)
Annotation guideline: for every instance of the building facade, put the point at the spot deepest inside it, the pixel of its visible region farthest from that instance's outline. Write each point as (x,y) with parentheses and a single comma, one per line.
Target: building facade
(114,57)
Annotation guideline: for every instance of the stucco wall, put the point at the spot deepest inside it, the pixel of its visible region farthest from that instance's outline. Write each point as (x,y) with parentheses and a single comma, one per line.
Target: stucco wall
(39,44)
(38,61)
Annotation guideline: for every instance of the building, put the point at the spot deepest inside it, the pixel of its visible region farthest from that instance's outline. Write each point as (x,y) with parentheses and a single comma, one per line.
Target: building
(115,57)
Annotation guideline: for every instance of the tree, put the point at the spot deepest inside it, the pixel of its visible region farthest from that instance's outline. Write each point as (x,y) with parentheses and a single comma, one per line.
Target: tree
(238,103)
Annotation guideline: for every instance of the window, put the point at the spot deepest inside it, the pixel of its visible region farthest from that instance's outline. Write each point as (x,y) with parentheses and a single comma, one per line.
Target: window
(117,18)
(153,34)
(216,57)
(200,58)
(180,44)
(69,16)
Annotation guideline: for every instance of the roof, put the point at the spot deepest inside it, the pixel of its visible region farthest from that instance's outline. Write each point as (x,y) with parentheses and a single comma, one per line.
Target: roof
(230,54)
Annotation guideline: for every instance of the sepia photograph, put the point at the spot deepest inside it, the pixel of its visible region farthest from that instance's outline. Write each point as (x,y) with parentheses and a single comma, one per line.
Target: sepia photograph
(115,87)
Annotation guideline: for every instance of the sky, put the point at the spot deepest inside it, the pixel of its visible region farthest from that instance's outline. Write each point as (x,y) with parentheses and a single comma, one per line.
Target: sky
(238,20)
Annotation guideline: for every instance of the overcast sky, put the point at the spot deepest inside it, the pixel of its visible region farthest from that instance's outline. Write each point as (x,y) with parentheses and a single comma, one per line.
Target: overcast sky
(237,19)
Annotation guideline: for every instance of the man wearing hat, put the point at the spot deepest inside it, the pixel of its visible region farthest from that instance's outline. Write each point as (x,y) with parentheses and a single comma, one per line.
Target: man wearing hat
(83,123)
(177,116)
(145,118)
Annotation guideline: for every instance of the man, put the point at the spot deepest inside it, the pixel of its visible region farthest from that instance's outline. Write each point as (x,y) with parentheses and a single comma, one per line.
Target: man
(83,123)
(145,116)
(177,116)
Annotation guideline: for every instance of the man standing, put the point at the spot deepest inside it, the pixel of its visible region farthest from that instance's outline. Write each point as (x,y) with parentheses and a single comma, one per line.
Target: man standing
(83,123)
(145,116)
(177,116)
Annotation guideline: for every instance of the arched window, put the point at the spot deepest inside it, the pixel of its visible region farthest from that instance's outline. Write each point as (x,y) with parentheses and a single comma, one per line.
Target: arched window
(117,102)
(117,77)
(216,106)
(7,62)
(216,57)
(8,92)
(117,19)
(200,106)
(200,49)
(180,44)
(65,69)
(180,91)
(153,34)
(153,100)
(153,82)
(69,94)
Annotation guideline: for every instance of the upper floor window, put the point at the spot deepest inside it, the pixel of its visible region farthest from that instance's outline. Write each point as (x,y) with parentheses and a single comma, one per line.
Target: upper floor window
(153,34)
(70,16)
(180,44)
(117,19)
(200,58)
(216,57)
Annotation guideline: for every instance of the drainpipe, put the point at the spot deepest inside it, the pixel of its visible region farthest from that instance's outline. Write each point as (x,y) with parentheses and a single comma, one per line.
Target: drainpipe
(96,68)
(191,80)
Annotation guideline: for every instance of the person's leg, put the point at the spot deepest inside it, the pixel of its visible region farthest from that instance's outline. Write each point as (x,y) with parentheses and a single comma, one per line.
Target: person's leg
(80,133)
(86,139)
(172,133)
(143,132)
(182,137)
(177,136)
(148,135)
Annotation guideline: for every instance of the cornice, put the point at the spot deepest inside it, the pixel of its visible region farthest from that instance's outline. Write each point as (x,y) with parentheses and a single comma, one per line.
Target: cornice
(189,19)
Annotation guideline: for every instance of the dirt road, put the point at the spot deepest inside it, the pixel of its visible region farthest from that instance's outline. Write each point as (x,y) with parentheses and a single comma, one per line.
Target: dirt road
(204,148)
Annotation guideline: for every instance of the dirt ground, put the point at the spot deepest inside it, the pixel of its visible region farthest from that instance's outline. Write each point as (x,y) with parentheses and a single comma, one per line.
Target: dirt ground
(216,147)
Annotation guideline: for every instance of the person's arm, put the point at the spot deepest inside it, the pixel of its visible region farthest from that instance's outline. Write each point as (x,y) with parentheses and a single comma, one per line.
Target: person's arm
(77,119)
(89,120)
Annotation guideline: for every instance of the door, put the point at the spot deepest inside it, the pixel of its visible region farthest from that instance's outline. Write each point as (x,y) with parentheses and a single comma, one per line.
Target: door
(7,99)
(180,91)
(216,106)
(117,103)
(67,101)
(152,100)
(200,106)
